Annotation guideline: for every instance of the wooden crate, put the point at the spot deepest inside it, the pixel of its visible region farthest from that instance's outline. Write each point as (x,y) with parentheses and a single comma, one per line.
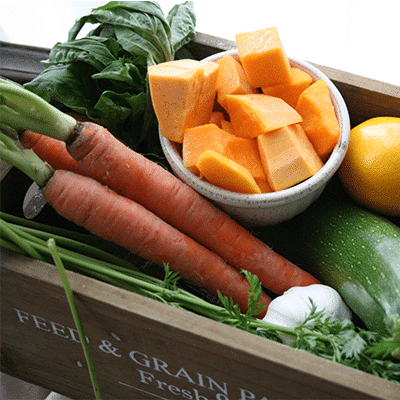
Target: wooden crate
(143,349)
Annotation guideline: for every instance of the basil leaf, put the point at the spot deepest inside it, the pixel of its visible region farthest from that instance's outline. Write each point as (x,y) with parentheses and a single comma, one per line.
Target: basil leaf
(123,71)
(70,85)
(108,14)
(182,20)
(146,21)
(104,74)
(116,107)
(93,51)
(122,114)
(135,43)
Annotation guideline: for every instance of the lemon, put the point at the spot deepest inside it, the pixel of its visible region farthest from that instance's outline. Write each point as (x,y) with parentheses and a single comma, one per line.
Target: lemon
(370,171)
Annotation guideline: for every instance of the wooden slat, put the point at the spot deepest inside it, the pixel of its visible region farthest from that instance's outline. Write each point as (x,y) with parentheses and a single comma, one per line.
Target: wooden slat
(21,63)
(365,98)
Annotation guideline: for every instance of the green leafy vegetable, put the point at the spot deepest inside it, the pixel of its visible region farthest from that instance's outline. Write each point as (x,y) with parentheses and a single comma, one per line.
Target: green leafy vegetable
(103,75)
(140,27)
(95,51)
(235,317)
(182,21)
(344,343)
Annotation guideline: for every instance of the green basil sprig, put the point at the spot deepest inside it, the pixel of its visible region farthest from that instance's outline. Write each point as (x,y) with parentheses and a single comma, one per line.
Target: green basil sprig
(103,75)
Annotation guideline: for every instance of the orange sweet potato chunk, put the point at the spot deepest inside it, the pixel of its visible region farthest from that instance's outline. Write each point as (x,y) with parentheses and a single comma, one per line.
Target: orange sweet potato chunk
(290,92)
(199,139)
(183,94)
(252,115)
(319,119)
(264,186)
(245,152)
(206,101)
(216,118)
(263,57)
(226,174)
(227,126)
(210,137)
(231,79)
(288,156)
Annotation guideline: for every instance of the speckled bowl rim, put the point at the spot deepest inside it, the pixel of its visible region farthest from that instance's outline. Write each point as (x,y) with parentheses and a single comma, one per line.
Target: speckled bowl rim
(292,194)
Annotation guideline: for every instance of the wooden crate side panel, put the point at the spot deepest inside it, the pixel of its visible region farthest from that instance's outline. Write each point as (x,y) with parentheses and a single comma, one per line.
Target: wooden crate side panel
(206,45)
(21,63)
(365,98)
(141,346)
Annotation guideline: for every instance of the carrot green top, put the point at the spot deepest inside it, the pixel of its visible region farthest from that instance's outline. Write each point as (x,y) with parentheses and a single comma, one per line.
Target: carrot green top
(23,110)
(24,159)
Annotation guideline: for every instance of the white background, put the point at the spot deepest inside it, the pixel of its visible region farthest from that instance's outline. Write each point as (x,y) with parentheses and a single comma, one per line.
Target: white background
(359,36)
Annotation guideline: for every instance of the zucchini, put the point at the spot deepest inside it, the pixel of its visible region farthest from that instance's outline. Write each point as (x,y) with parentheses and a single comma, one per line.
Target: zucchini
(345,246)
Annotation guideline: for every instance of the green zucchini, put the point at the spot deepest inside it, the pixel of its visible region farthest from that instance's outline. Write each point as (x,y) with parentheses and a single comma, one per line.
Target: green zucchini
(355,251)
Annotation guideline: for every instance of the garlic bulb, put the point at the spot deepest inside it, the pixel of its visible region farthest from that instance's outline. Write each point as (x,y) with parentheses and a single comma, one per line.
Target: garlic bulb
(294,306)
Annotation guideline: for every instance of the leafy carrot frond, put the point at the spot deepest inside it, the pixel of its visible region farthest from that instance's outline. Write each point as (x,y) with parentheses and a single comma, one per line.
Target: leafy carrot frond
(255,306)
(171,278)
(389,345)
(234,315)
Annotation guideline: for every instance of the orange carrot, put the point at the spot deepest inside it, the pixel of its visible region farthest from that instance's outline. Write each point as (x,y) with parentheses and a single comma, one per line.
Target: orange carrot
(118,219)
(50,150)
(130,174)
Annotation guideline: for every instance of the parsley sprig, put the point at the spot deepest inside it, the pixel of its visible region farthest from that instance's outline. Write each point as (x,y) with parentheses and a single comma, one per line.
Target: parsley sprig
(347,344)
(339,341)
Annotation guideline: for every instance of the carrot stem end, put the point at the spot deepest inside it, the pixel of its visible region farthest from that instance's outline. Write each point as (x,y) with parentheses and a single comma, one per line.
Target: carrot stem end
(23,110)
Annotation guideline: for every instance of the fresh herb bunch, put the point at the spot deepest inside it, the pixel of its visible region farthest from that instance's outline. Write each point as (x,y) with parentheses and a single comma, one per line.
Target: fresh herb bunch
(338,341)
(345,343)
(103,75)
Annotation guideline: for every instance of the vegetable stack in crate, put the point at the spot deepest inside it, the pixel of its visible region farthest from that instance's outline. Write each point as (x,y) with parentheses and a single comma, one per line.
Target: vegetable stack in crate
(169,354)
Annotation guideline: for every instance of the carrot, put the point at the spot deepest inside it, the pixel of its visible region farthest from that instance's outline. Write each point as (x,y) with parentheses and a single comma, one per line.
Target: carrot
(132,175)
(109,161)
(117,219)
(50,150)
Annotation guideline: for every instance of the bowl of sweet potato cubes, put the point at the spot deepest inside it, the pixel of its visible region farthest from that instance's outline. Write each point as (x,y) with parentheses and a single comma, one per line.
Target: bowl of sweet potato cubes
(256,132)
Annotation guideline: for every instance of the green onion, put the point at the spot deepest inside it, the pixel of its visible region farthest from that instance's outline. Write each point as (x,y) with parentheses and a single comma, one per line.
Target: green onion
(74,310)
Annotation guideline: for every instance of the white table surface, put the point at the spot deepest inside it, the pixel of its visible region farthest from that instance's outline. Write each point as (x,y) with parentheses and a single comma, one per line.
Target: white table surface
(358,36)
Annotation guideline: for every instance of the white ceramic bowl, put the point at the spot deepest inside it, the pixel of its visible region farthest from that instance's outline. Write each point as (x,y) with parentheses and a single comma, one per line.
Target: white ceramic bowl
(257,210)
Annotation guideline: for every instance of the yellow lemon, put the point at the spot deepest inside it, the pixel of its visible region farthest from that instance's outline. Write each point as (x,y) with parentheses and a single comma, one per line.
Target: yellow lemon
(370,171)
